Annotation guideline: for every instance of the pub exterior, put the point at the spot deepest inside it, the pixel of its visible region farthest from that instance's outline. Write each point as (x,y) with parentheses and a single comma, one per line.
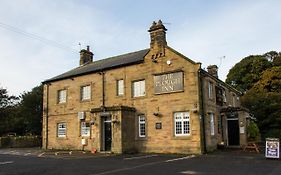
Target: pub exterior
(152,100)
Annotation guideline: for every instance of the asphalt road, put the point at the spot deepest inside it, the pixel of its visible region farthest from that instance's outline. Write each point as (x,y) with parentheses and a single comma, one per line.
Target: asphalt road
(221,163)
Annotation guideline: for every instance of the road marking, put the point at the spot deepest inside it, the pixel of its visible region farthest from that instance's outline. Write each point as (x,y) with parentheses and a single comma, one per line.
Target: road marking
(129,168)
(41,154)
(143,165)
(189,172)
(8,162)
(140,157)
(181,158)
(26,154)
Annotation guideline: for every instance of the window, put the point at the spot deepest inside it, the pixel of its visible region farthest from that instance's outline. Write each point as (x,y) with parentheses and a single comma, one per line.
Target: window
(212,124)
(86,92)
(210,90)
(233,100)
(85,129)
(62,96)
(139,88)
(120,87)
(182,124)
(224,96)
(141,126)
(61,130)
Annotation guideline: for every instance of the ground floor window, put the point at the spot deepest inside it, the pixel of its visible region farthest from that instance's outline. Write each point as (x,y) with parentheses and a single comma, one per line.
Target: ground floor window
(212,124)
(61,130)
(182,123)
(141,126)
(85,129)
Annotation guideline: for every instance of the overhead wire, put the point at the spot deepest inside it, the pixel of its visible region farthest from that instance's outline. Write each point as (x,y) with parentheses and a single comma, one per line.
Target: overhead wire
(37,37)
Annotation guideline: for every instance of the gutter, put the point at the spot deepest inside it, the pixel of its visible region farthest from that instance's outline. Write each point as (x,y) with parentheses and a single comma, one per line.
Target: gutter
(202,112)
(103,90)
(47,114)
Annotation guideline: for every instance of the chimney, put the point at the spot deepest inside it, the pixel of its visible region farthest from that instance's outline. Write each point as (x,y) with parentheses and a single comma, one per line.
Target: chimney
(213,70)
(86,56)
(157,35)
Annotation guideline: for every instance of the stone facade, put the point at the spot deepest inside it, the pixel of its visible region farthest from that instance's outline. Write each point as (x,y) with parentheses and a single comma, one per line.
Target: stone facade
(114,120)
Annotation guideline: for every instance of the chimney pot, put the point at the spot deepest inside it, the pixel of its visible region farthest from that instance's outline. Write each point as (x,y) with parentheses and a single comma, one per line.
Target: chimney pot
(86,56)
(213,70)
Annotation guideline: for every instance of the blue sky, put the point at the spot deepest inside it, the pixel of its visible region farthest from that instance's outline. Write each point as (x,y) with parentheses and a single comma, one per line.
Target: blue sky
(40,39)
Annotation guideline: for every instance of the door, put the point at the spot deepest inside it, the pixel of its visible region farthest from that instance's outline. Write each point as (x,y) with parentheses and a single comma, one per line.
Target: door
(107,139)
(233,132)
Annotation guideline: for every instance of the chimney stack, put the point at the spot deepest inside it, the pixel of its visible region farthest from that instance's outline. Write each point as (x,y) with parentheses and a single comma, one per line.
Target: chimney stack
(157,35)
(86,56)
(213,70)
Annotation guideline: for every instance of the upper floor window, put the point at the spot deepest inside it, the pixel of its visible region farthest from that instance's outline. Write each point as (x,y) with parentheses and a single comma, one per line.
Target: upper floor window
(62,96)
(182,123)
(234,98)
(120,87)
(210,89)
(139,88)
(86,92)
(61,131)
(224,96)
(141,126)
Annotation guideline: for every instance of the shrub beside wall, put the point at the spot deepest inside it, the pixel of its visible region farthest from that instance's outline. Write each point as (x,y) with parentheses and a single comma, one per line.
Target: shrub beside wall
(20,141)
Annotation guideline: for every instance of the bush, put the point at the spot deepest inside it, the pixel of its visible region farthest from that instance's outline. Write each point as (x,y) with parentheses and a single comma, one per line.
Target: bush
(253,131)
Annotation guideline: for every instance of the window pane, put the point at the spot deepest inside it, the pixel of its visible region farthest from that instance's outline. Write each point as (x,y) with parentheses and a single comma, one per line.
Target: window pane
(86,92)
(62,96)
(182,124)
(120,87)
(61,130)
(142,126)
(212,124)
(139,88)
(85,129)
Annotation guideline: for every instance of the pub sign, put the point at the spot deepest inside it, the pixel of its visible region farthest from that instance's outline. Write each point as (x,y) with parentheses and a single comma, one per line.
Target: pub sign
(169,82)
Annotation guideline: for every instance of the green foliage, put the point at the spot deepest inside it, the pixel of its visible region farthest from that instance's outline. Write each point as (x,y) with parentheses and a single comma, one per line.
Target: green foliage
(21,115)
(247,72)
(253,131)
(262,93)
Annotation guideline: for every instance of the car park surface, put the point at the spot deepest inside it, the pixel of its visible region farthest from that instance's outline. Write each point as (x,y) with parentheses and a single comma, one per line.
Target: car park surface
(28,161)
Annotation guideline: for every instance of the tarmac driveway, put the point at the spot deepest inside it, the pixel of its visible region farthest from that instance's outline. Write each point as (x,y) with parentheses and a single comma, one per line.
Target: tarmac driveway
(32,161)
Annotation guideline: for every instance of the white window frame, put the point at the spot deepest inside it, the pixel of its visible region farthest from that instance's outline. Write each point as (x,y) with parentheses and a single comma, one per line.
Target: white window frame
(139,88)
(85,129)
(86,92)
(61,130)
(210,90)
(120,87)
(62,96)
(142,126)
(182,124)
(212,124)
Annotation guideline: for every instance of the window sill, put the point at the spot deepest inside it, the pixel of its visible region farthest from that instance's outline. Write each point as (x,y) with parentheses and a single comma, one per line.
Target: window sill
(85,101)
(140,97)
(187,137)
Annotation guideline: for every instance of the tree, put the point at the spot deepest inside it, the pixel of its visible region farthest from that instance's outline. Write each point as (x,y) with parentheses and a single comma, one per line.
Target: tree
(264,101)
(247,72)
(30,109)
(7,106)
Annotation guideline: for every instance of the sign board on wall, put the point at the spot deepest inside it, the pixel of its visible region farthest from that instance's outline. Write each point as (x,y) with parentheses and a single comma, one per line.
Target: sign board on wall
(169,82)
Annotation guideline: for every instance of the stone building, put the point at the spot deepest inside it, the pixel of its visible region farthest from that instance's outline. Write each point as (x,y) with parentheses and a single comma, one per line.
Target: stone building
(151,100)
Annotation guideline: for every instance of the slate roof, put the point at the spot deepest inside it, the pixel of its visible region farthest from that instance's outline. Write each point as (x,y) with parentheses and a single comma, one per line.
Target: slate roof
(104,64)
